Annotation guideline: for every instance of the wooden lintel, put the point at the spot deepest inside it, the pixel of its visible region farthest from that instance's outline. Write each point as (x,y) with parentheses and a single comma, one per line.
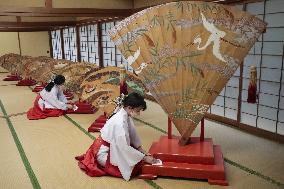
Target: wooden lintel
(37,24)
(96,20)
(24,29)
(63,12)
(48,3)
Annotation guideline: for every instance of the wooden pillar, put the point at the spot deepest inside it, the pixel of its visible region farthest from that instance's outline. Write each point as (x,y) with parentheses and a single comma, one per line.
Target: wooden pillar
(62,43)
(78,43)
(239,113)
(50,44)
(240,93)
(100,44)
(48,3)
(19,40)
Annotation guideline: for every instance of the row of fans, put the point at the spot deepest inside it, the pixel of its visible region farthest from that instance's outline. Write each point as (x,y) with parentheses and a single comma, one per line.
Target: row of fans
(184,52)
(85,81)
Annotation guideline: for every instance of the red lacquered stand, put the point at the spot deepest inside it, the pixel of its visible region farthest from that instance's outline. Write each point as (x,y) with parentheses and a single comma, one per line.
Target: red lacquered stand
(12,78)
(68,95)
(39,88)
(83,108)
(200,159)
(26,82)
(98,123)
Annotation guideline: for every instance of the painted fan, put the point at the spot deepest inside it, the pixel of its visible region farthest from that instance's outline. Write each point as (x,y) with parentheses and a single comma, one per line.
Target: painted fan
(75,74)
(185,52)
(29,66)
(52,69)
(102,87)
(10,62)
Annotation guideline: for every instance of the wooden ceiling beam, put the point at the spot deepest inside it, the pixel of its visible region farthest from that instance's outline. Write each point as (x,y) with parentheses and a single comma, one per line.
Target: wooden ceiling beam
(25,29)
(64,12)
(37,24)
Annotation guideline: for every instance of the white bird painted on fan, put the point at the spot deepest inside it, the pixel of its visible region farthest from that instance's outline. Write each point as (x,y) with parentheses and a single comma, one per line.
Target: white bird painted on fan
(132,59)
(141,67)
(215,37)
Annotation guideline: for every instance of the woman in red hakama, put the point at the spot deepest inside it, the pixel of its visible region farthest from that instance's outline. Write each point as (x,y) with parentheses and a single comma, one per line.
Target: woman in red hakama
(51,101)
(118,152)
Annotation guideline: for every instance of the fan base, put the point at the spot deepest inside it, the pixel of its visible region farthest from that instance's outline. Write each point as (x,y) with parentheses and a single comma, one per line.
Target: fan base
(68,95)
(199,160)
(26,82)
(98,124)
(83,108)
(12,78)
(38,88)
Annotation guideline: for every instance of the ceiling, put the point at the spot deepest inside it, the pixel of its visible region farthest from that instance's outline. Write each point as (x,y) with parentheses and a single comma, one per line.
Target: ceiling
(20,19)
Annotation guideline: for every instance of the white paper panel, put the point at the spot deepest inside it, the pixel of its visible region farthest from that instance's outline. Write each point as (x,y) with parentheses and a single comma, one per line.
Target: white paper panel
(248,119)
(266,124)
(249,108)
(267,112)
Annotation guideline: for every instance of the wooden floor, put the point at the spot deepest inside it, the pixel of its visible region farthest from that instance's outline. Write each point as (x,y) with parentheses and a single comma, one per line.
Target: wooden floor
(40,154)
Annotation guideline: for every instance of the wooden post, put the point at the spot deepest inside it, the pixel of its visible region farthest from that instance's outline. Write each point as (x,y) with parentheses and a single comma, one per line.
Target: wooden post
(50,44)
(100,44)
(169,128)
(62,43)
(19,39)
(48,3)
(78,44)
(202,130)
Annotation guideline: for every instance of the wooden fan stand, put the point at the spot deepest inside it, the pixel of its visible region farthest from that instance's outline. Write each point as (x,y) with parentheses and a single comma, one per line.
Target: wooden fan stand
(98,124)
(12,77)
(26,82)
(200,159)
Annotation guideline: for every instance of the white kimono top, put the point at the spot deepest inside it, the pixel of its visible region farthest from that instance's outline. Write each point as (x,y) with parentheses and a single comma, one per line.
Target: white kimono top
(55,99)
(119,131)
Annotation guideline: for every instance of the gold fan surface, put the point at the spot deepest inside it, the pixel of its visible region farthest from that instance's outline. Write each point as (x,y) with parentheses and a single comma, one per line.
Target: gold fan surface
(185,52)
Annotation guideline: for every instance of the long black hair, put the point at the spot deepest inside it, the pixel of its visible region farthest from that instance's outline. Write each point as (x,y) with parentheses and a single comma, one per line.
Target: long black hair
(58,80)
(134,100)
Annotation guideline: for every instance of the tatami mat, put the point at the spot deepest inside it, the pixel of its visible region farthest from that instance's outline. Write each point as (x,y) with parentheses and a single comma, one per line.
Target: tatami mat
(51,144)
(17,99)
(13,174)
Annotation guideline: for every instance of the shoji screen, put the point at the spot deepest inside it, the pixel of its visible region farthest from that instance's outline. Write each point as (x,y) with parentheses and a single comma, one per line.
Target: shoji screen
(108,46)
(111,55)
(56,44)
(267,55)
(70,45)
(89,44)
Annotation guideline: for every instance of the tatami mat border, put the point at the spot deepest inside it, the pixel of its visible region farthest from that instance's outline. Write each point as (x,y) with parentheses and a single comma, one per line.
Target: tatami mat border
(20,148)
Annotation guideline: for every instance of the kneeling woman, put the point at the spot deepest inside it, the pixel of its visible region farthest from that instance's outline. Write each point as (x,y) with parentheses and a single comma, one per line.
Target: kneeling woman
(51,101)
(118,152)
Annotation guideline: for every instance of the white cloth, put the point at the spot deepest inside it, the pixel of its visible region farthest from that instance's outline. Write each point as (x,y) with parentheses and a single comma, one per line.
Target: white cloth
(55,99)
(102,155)
(119,131)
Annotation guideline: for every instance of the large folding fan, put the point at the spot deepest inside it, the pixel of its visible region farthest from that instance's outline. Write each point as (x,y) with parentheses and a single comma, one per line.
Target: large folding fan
(185,52)
(102,87)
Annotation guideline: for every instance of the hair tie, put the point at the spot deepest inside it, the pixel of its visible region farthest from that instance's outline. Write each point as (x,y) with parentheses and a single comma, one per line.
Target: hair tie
(119,100)
(52,79)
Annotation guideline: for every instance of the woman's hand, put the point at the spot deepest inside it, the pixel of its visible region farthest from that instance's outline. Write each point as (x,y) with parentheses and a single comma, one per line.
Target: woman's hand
(69,106)
(71,101)
(150,159)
